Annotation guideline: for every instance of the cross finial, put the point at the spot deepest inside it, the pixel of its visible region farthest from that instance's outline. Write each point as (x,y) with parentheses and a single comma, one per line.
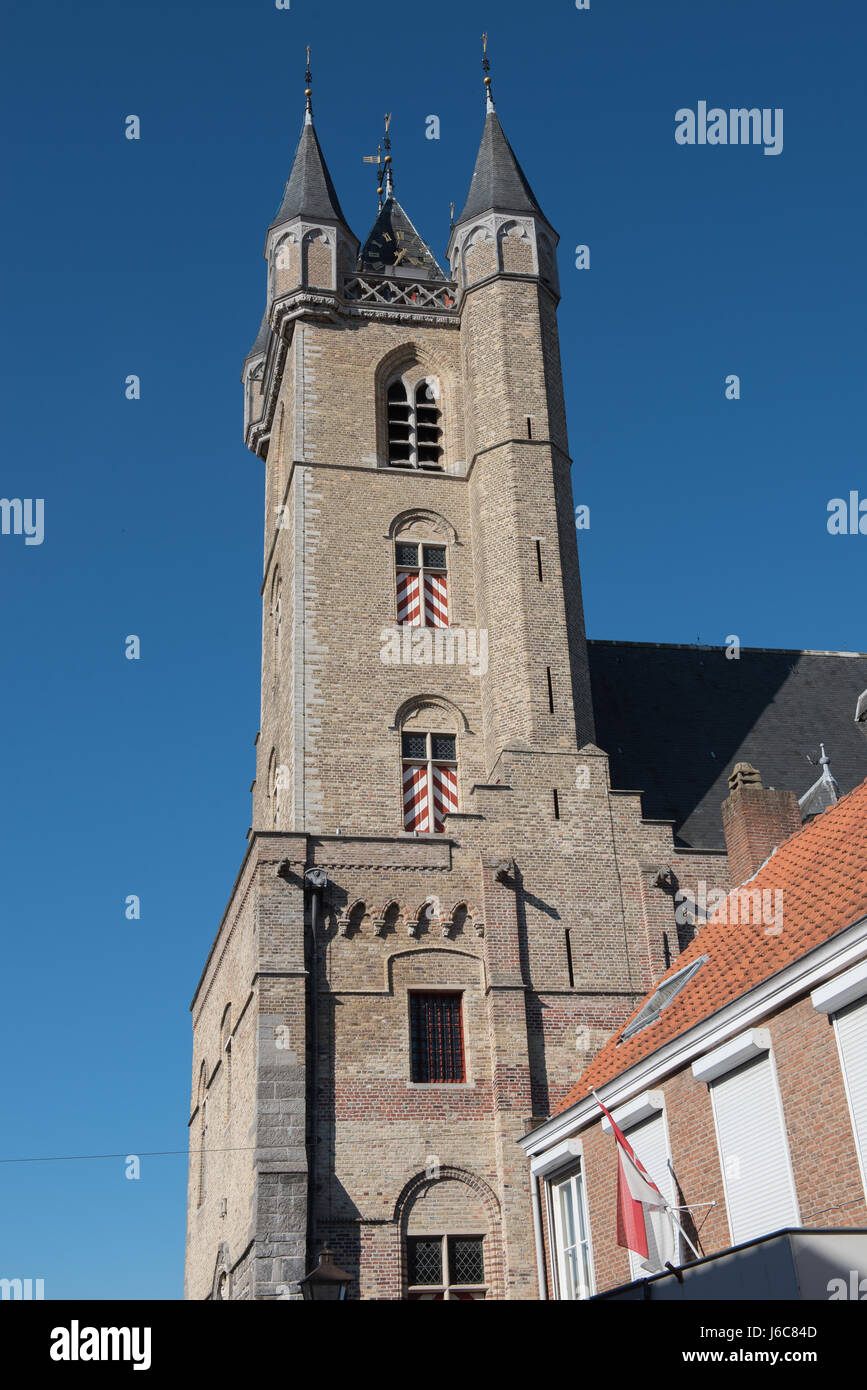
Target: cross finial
(486,67)
(308,91)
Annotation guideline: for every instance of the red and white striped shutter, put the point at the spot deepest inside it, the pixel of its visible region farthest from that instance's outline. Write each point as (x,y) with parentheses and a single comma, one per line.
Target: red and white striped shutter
(445,781)
(436,600)
(416,802)
(408,601)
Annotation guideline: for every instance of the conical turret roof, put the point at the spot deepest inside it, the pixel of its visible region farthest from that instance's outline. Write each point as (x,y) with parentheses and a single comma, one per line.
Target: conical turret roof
(499,184)
(310,191)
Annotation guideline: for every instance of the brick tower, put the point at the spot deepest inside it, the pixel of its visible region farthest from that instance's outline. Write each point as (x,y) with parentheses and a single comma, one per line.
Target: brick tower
(443,909)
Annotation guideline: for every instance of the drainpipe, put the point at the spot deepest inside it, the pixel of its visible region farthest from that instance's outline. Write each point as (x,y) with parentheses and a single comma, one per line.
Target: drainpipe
(540,1243)
(315,883)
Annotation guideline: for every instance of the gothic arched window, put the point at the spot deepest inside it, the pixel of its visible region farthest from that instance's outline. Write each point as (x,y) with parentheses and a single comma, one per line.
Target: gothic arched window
(414,423)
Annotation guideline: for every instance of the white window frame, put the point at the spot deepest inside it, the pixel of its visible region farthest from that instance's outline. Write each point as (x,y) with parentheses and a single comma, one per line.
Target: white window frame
(747,1047)
(833,998)
(557,1251)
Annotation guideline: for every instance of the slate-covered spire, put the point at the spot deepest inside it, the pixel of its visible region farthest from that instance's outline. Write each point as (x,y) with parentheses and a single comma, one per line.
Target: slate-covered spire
(310,192)
(394,246)
(499,184)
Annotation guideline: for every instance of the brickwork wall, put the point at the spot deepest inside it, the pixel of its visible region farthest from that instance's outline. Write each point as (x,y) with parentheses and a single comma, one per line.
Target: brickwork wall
(404,912)
(821,1143)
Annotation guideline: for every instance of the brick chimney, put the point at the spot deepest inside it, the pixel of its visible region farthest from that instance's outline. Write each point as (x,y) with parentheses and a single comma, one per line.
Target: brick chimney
(755,819)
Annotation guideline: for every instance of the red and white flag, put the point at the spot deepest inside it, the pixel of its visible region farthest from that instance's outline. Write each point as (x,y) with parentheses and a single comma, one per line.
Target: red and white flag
(644,1223)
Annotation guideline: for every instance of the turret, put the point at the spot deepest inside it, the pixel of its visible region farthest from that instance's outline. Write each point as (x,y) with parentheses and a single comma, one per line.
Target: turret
(536,693)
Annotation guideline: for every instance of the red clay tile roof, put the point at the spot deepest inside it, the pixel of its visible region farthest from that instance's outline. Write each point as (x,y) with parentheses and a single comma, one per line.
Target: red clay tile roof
(822,872)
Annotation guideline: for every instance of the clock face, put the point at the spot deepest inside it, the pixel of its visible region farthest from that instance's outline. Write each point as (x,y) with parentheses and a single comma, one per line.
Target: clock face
(393,243)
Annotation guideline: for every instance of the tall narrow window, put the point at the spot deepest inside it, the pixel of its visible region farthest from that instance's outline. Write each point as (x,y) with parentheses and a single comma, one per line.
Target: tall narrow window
(550,690)
(539,560)
(850,1025)
(571,1238)
(428,429)
(430,781)
(754,1151)
(277,619)
(226,1037)
(422,584)
(414,424)
(399,426)
(436,1037)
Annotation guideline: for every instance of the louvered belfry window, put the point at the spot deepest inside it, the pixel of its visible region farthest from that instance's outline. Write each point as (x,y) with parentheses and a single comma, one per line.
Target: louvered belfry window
(437,1037)
(428,432)
(430,781)
(422,585)
(414,425)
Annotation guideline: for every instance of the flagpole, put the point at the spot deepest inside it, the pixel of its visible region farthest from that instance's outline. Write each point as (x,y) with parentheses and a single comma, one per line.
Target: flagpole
(667,1208)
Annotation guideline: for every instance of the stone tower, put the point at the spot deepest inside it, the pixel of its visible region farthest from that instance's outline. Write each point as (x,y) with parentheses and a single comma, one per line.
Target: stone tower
(444,909)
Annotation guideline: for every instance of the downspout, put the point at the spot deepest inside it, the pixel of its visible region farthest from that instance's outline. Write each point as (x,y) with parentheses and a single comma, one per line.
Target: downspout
(540,1243)
(315,881)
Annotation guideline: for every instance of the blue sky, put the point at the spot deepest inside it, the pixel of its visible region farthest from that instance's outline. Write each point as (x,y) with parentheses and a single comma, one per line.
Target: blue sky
(708,517)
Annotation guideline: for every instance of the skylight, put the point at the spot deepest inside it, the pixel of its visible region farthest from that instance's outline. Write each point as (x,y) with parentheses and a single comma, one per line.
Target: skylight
(662,997)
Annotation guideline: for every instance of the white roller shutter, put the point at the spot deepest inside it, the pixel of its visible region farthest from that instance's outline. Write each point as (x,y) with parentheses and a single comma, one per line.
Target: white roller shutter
(754,1152)
(851,1027)
(650,1142)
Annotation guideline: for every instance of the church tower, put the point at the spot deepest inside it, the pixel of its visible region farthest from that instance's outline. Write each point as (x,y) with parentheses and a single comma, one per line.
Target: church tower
(443,909)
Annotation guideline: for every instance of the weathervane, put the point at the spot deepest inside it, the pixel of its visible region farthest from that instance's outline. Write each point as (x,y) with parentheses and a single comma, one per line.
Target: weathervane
(486,68)
(308,89)
(383,164)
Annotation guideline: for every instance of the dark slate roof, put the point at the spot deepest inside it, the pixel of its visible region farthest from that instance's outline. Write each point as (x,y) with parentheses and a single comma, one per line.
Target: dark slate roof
(675,720)
(392,234)
(310,191)
(262,338)
(499,184)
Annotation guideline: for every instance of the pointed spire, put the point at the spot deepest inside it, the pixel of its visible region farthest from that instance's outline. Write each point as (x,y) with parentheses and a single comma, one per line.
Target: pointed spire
(823,793)
(394,245)
(499,184)
(310,191)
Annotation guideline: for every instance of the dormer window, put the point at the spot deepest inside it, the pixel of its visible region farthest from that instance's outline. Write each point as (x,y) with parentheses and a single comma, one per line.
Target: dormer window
(414,424)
